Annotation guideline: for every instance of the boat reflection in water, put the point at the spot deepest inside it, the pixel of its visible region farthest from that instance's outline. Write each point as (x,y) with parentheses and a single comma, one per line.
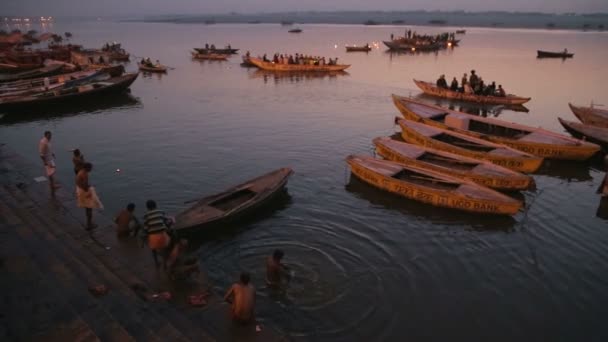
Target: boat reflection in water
(112,102)
(472,108)
(431,213)
(295,76)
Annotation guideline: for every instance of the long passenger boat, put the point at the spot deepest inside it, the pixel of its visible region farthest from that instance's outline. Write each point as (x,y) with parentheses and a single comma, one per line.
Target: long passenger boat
(68,94)
(210,56)
(532,140)
(431,187)
(271,66)
(432,89)
(551,54)
(475,170)
(590,115)
(595,134)
(468,146)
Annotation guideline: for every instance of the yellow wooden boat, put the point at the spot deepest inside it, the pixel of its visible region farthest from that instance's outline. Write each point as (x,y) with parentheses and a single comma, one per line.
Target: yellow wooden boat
(271,66)
(529,139)
(432,89)
(478,171)
(431,187)
(590,115)
(155,68)
(468,146)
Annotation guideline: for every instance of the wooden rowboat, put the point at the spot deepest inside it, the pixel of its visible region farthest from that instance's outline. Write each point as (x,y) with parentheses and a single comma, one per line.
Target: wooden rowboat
(461,31)
(296,30)
(549,54)
(397,45)
(224,51)
(590,115)
(475,170)
(270,66)
(432,89)
(233,203)
(156,68)
(532,140)
(364,48)
(431,187)
(598,135)
(210,56)
(45,71)
(464,145)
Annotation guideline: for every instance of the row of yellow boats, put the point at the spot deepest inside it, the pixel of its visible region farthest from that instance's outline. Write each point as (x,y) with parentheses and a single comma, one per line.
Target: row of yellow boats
(456,160)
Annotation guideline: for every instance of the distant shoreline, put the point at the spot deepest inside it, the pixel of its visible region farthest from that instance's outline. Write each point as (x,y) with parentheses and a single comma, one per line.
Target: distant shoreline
(568,21)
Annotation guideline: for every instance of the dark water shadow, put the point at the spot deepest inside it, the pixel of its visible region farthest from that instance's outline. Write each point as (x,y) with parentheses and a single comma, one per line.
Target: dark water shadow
(472,108)
(294,76)
(602,209)
(571,171)
(280,201)
(429,212)
(76,107)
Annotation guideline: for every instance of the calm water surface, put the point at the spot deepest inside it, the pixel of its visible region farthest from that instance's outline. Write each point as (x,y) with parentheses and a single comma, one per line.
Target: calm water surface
(369,266)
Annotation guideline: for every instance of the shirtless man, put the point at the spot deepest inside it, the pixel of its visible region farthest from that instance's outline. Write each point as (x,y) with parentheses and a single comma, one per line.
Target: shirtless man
(275,270)
(241,296)
(48,159)
(126,222)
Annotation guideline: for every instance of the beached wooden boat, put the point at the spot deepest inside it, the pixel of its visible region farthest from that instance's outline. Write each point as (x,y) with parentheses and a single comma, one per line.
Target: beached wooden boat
(364,48)
(468,146)
(529,139)
(38,84)
(232,204)
(45,71)
(224,51)
(271,66)
(431,187)
(296,30)
(590,115)
(432,89)
(549,54)
(155,68)
(209,56)
(478,171)
(595,134)
(68,94)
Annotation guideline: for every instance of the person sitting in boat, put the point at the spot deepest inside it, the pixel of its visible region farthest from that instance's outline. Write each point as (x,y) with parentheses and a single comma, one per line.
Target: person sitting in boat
(264,58)
(454,85)
(463,82)
(206,46)
(212,47)
(157,64)
(491,89)
(276,270)
(467,89)
(247,54)
(500,92)
(290,60)
(441,82)
(474,79)
(157,229)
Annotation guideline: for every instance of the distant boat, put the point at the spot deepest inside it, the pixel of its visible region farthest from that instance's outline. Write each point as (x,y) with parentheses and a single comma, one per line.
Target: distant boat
(363,48)
(296,30)
(224,51)
(401,46)
(286,23)
(549,54)
(210,56)
(371,22)
(461,31)
(437,22)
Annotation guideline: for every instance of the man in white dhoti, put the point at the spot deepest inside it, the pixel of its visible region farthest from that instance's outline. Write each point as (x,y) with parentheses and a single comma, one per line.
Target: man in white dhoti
(86,196)
(48,159)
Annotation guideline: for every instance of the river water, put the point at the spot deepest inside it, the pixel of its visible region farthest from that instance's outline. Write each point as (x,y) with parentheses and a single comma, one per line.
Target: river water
(368,266)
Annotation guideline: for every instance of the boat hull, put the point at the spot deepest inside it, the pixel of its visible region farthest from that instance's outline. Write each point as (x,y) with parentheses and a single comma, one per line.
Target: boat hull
(590,116)
(548,54)
(597,135)
(270,66)
(438,198)
(210,56)
(431,89)
(504,179)
(358,49)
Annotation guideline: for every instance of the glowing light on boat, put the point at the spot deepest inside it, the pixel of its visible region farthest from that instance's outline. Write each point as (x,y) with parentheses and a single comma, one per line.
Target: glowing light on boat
(449,44)
(413,49)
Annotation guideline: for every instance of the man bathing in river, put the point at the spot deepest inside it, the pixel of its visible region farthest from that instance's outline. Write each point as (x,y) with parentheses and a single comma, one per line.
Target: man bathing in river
(126,222)
(48,159)
(86,195)
(275,270)
(241,296)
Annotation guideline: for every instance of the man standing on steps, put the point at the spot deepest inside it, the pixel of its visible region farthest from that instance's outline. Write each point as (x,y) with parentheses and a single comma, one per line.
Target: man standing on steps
(48,159)
(86,196)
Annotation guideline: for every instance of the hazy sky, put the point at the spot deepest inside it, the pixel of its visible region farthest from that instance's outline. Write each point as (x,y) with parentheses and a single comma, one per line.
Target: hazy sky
(147,7)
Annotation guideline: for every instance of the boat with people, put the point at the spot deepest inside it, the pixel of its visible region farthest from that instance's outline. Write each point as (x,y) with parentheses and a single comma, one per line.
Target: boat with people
(232,204)
(355,48)
(446,93)
(115,52)
(468,146)
(534,140)
(68,94)
(402,46)
(478,171)
(152,68)
(590,115)
(431,187)
(272,66)
(225,51)
(210,56)
(551,54)
(595,134)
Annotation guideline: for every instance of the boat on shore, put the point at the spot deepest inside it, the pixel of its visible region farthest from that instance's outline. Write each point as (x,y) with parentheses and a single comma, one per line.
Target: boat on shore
(224,51)
(232,204)
(431,187)
(49,70)
(550,54)
(67,94)
(364,48)
(590,115)
(468,146)
(271,66)
(35,84)
(478,171)
(432,89)
(533,140)
(595,134)
(209,56)
(155,68)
